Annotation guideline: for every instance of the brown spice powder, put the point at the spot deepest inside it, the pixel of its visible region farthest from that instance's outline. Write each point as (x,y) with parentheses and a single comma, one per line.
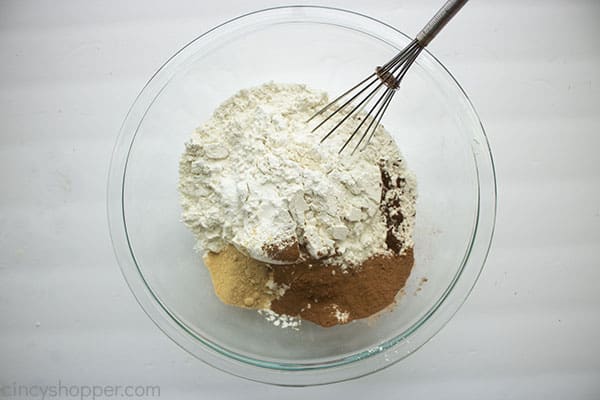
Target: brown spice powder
(328,296)
(288,251)
(390,206)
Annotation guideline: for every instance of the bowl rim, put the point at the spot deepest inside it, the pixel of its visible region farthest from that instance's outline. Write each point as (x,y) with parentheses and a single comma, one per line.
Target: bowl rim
(295,374)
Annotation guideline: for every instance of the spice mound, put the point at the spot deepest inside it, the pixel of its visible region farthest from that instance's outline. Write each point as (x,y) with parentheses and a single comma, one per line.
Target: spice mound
(286,224)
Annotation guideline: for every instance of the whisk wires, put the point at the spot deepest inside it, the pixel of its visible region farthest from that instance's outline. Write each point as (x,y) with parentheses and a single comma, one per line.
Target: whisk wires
(387,78)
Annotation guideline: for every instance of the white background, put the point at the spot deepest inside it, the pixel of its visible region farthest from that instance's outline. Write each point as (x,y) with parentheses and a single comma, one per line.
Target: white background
(70,70)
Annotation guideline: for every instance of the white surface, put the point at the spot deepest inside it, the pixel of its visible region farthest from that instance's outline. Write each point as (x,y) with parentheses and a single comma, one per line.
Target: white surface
(70,70)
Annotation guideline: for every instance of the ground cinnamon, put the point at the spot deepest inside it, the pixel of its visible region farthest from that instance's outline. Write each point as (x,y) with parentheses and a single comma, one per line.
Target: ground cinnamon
(328,295)
(288,251)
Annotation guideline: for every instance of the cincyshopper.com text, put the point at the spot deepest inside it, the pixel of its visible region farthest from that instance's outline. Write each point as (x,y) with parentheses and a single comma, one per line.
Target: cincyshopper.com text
(61,390)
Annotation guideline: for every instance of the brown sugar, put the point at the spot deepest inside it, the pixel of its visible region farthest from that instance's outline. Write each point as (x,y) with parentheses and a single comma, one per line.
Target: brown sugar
(239,280)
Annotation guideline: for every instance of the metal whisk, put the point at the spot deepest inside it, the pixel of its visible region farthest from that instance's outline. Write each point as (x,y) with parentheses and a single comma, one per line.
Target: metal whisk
(389,76)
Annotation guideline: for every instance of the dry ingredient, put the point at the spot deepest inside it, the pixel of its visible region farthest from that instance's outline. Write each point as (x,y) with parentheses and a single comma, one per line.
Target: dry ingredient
(281,320)
(289,226)
(325,295)
(329,295)
(239,280)
(256,177)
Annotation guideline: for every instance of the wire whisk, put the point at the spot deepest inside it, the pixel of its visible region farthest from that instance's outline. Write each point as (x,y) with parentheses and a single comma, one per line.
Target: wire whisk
(386,77)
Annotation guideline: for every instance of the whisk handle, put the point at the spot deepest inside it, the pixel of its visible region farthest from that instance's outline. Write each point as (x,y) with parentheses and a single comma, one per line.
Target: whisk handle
(439,20)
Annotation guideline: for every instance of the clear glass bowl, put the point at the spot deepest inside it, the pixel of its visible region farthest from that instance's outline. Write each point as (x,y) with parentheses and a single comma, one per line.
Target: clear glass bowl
(435,126)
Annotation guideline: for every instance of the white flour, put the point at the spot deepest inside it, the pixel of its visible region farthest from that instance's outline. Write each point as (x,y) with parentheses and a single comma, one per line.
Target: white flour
(254,175)
(281,320)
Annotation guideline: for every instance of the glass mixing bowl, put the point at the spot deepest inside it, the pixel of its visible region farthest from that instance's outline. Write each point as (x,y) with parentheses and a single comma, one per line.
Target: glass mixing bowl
(431,119)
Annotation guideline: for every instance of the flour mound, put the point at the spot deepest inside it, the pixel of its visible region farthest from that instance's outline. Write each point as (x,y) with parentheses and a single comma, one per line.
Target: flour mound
(256,177)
